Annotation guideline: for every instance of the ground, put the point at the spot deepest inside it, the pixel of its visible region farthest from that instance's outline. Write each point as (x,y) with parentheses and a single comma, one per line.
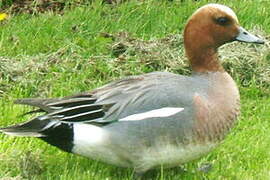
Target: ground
(77,46)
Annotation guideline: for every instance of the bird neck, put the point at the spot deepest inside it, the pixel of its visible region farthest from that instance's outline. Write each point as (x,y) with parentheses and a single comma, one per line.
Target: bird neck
(204,60)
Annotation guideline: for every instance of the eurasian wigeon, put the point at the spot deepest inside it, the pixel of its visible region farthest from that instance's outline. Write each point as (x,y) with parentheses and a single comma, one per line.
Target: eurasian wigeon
(154,119)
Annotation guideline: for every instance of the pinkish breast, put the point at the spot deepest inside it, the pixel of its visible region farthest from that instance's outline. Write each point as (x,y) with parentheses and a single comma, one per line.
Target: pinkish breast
(216,113)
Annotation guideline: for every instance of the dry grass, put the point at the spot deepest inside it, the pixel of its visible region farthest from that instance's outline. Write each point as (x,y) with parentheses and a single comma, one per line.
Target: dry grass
(247,63)
(55,55)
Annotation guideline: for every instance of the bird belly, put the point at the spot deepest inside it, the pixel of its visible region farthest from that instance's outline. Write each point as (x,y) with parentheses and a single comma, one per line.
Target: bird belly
(94,142)
(171,155)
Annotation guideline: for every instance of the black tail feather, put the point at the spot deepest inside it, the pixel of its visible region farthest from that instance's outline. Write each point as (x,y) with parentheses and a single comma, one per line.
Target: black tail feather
(32,128)
(56,133)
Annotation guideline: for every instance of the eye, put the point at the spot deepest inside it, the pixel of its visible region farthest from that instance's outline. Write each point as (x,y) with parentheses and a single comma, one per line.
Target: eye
(222,21)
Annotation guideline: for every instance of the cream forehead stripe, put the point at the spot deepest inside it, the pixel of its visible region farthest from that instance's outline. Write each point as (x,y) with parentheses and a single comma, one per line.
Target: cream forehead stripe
(223,8)
(162,112)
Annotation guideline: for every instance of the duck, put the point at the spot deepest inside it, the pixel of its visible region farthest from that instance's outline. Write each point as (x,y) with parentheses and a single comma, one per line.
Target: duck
(154,119)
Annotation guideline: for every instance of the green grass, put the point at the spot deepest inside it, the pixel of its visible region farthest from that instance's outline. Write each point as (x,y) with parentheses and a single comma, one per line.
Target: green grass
(41,55)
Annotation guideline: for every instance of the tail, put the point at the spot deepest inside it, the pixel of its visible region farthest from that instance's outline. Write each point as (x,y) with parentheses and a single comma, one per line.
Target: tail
(32,128)
(55,126)
(53,132)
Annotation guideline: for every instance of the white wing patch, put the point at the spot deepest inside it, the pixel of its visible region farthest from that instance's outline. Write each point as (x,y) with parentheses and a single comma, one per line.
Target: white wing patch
(162,112)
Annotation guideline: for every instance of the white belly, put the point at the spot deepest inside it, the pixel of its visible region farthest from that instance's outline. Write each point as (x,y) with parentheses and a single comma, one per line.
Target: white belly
(171,155)
(92,141)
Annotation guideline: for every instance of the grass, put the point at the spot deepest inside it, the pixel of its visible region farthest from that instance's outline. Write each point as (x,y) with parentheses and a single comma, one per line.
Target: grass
(87,46)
